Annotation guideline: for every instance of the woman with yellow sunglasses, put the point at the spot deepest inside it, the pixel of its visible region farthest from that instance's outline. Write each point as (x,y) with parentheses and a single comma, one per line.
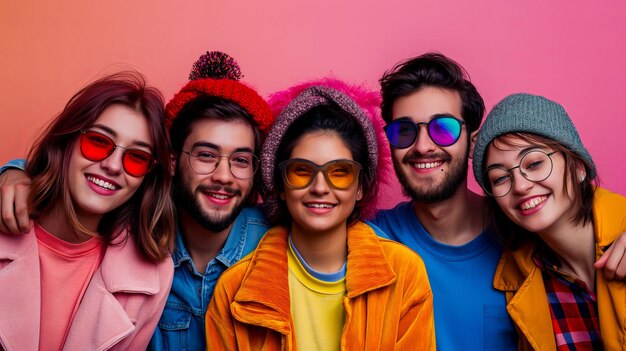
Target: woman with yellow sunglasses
(321,279)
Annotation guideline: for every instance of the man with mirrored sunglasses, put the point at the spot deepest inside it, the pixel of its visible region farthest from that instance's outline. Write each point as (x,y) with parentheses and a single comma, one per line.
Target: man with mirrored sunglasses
(432,113)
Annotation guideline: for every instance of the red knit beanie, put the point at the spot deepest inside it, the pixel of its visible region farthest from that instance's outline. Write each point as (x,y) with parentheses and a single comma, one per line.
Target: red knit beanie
(217,74)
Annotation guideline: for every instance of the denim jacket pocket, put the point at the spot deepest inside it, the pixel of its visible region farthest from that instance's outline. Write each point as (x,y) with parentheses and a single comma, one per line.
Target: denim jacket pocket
(174,326)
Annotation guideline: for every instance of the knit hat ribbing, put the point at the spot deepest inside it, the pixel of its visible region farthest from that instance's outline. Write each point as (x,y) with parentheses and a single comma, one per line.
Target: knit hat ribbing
(528,113)
(355,100)
(217,74)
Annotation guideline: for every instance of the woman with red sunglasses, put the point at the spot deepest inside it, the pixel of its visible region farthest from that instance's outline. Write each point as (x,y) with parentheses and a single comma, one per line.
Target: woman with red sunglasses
(321,279)
(93,272)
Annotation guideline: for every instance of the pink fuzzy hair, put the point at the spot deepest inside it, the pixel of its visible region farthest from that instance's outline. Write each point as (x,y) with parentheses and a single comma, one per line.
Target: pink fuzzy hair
(369,101)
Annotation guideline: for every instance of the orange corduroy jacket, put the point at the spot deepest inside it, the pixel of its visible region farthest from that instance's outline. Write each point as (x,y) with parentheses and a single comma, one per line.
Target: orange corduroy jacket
(388,303)
(527,303)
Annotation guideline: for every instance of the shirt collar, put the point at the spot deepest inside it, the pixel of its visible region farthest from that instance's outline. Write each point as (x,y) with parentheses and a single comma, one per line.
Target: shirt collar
(228,255)
(180,254)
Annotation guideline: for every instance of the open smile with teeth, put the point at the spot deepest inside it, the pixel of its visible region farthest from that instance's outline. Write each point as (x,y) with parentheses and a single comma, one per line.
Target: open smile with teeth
(427,165)
(533,203)
(101,183)
(320,205)
(220,196)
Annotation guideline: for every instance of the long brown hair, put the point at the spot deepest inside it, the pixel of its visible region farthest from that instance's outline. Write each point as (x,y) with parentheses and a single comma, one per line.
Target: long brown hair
(148,214)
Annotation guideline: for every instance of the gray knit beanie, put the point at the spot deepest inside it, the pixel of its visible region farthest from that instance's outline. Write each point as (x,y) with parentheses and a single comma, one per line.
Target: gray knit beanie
(528,113)
(305,101)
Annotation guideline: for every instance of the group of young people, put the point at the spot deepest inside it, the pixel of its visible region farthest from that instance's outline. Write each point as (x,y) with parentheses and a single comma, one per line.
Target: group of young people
(139,226)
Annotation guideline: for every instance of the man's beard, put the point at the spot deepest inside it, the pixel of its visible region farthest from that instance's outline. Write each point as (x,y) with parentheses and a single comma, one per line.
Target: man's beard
(444,191)
(188,200)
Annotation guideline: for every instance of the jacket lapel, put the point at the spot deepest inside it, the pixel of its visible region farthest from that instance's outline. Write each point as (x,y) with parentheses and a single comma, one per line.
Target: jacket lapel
(609,223)
(366,259)
(267,273)
(518,276)
(20,292)
(102,318)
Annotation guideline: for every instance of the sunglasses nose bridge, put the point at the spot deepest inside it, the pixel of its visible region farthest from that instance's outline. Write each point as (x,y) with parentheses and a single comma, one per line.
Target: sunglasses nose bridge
(114,162)
(423,141)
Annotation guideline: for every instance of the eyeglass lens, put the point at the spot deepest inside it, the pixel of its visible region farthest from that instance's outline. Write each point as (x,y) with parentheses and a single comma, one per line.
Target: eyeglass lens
(96,147)
(204,160)
(443,131)
(340,174)
(535,166)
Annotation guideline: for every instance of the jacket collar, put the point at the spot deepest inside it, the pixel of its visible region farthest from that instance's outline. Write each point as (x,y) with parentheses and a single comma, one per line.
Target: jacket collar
(98,308)
(367,269)
(233,248)
(20,291)
(518,276)
(122,254)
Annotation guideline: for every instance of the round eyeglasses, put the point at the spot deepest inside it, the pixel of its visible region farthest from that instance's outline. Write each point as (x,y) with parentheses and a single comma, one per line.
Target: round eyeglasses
(205,160)
(535,165)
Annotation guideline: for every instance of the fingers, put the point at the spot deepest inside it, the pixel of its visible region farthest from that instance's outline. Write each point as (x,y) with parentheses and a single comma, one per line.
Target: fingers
(14,191)
(8,222)
(21,207)
(613,261)
(601,262)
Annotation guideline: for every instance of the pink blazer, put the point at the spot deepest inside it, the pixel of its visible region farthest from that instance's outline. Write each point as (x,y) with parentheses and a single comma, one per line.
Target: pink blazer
(119,311)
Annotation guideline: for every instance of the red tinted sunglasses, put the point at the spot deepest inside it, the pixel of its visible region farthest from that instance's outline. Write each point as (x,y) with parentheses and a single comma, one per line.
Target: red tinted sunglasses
(96,147)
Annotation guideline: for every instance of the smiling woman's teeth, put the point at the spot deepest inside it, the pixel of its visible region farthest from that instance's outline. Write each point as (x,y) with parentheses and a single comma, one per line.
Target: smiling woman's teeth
(320,205)
(532,203)
(101,183)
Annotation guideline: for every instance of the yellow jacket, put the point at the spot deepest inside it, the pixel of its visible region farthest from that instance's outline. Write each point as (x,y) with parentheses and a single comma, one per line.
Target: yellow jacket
(527,303)
(388,304)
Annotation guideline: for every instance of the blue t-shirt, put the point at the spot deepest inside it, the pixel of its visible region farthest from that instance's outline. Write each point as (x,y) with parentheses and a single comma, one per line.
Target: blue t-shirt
(469,313)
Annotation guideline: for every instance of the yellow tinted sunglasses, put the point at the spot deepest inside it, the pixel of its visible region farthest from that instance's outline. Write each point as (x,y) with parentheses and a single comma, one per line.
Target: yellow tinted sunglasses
(339,174)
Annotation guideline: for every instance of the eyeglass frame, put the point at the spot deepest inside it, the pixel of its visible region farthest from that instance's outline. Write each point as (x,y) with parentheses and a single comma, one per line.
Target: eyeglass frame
(510,172)
(255,167)
(153,161)
(418,129)
(318,168)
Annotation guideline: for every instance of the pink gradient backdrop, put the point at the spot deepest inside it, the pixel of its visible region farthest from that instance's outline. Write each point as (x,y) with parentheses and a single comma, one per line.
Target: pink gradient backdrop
(571,51)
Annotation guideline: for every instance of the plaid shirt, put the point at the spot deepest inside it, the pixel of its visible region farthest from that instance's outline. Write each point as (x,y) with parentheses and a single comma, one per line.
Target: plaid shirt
(573,307)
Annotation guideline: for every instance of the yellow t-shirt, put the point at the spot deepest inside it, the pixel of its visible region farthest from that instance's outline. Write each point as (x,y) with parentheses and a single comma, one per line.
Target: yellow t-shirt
(316,307)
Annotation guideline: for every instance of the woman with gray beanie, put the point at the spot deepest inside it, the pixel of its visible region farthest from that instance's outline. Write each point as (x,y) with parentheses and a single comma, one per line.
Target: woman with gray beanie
(540,185)
(321,279)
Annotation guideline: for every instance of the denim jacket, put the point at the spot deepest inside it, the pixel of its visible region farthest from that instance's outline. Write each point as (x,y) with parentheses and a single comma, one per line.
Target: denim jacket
(181,326)
(13,164)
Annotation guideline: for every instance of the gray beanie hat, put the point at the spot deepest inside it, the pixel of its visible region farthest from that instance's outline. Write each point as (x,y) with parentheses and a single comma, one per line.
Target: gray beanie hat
(305,101)
(528,113)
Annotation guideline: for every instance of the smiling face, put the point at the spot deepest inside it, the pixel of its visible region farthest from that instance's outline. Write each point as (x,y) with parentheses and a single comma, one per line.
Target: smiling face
(97,188)
(430,173)
(214,200)
(539,207)
(319,208)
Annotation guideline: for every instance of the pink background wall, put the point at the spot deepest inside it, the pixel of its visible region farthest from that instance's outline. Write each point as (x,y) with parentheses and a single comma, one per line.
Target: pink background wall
(570,51)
